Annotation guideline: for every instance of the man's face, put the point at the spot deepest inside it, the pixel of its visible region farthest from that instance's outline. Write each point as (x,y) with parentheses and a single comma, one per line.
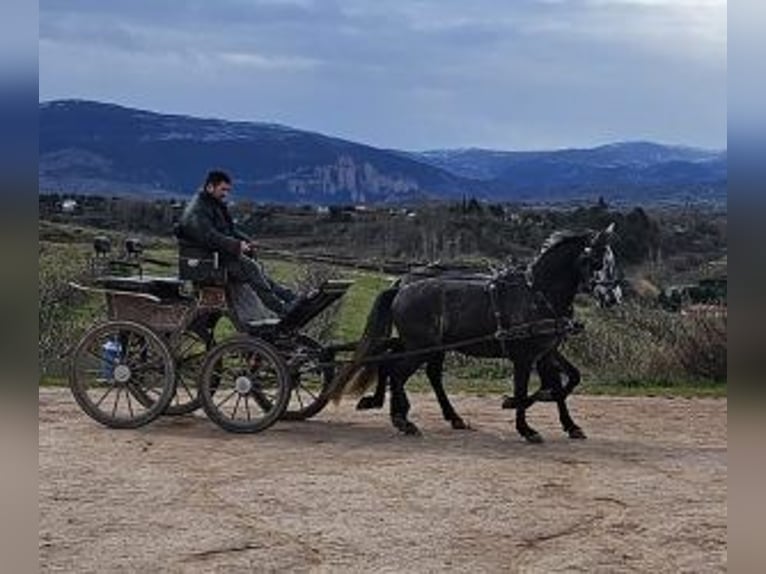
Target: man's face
(219,191)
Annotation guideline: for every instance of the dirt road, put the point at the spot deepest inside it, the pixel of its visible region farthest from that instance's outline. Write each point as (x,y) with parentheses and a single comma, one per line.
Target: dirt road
(345,493)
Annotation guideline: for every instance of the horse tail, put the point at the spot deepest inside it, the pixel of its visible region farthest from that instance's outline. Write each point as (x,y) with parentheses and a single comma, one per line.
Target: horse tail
(357,377)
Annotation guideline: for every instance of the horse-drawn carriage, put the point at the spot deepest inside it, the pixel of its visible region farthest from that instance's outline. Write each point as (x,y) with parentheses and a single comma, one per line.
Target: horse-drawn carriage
(157,353)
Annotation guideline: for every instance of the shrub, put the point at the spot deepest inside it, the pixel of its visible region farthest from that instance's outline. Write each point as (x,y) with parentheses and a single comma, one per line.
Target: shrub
(64,312)
(311,277)
(643,343)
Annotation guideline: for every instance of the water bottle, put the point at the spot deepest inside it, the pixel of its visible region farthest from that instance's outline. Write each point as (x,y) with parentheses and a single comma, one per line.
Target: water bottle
(111,351)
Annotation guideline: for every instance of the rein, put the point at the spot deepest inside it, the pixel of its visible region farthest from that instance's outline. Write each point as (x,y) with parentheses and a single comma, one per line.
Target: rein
(543,327)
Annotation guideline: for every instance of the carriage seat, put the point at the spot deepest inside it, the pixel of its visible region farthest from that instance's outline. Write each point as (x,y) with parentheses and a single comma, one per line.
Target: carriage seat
(200,266)
(167,289)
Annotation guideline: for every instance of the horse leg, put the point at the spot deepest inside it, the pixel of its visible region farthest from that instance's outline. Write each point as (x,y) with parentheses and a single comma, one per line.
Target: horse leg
(377,399)
(434,370)
(522,370)
(559,363)
(400,404)
(551,385)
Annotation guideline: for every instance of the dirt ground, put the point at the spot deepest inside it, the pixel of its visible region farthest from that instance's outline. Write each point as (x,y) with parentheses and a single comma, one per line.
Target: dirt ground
(345,493)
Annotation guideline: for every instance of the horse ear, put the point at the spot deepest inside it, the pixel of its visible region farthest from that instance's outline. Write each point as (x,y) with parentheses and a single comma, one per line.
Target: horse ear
(603,237)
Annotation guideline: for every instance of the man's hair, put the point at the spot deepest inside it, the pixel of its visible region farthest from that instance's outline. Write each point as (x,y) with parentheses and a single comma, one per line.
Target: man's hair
(216,177)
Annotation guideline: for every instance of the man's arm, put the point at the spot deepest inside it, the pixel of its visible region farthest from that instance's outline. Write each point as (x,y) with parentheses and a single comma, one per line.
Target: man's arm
(200,227)
(242,236)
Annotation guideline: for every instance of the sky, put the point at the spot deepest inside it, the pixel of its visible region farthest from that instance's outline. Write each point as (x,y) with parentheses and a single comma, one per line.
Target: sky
(406,74)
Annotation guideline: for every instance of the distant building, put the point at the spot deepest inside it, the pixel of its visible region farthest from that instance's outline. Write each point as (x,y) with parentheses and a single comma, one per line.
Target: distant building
(69,205)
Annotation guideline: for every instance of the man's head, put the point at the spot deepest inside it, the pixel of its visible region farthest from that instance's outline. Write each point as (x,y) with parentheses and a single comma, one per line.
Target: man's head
(218,184)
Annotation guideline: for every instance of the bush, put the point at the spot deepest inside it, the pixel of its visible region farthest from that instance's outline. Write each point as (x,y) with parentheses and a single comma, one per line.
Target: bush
(643,343)
(701,347)
(63,313)
(311,277)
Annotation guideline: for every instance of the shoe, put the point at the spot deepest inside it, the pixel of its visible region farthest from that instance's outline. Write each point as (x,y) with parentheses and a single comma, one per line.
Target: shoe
(292,305)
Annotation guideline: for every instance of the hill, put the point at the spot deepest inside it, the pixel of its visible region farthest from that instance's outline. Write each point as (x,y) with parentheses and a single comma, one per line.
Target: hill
(97,148)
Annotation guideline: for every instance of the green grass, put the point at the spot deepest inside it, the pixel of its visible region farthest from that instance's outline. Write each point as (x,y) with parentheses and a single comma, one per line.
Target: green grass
(356,303)
(49,381)
(650,389)
(497,386)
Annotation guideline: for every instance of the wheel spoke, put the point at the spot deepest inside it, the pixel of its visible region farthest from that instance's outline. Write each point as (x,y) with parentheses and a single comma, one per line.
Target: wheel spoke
(116,400)
(219,405)
(299,397)
(236,406)
(95,355)
(101,400)
(247,406)
(181,351)
(130,404)
(182,380)
(262,399)
(148,365)
(305,388)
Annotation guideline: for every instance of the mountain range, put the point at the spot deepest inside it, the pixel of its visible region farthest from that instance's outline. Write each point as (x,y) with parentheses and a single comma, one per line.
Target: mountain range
(96,148)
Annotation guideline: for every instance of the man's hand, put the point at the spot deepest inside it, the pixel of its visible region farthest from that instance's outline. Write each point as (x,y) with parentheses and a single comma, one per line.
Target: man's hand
(244,247)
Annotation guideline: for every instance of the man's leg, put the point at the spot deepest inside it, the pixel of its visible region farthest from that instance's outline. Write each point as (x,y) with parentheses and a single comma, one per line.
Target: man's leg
(245,269)
(287,295)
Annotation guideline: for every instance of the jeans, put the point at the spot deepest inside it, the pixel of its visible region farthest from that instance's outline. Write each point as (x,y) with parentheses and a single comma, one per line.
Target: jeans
(272,294)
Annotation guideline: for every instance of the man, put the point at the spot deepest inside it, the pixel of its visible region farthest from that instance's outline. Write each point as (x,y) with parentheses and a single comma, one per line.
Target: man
(206,222)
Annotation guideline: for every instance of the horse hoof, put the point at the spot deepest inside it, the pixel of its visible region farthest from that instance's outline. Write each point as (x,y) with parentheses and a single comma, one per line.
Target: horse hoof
(460,424)
(406,427)
(367,403)
(534,437)
(509,403)
(411,430)
(576,433)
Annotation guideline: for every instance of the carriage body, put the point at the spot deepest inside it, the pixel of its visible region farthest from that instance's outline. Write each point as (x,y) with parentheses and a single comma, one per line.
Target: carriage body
(175,320)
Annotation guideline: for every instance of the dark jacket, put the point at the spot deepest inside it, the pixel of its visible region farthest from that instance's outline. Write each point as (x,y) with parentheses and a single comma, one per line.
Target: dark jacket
(206,222)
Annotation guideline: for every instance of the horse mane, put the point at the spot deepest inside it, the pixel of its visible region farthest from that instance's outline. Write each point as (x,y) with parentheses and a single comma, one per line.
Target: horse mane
(556,240)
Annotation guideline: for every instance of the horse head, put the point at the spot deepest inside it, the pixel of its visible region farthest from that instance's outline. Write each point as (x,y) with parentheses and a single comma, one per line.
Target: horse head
(598,268)
(576,261)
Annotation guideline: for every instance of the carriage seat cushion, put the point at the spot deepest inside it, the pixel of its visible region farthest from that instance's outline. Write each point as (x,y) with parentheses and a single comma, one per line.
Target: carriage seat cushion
(166,288)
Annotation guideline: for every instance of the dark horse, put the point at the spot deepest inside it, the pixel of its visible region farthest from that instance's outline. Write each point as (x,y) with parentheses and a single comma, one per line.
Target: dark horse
(558,376)
(437,312)
(550,367)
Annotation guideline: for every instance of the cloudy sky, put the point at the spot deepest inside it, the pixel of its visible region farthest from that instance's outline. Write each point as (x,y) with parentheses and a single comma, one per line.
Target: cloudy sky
(409,74)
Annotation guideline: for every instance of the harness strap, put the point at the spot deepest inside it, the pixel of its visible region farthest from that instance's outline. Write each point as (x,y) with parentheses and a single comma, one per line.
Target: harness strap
(499,333)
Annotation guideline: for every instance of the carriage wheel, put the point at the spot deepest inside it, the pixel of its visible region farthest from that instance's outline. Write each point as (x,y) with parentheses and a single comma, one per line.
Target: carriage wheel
(189,355)
(245,385)
(116,363)
(311,379)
